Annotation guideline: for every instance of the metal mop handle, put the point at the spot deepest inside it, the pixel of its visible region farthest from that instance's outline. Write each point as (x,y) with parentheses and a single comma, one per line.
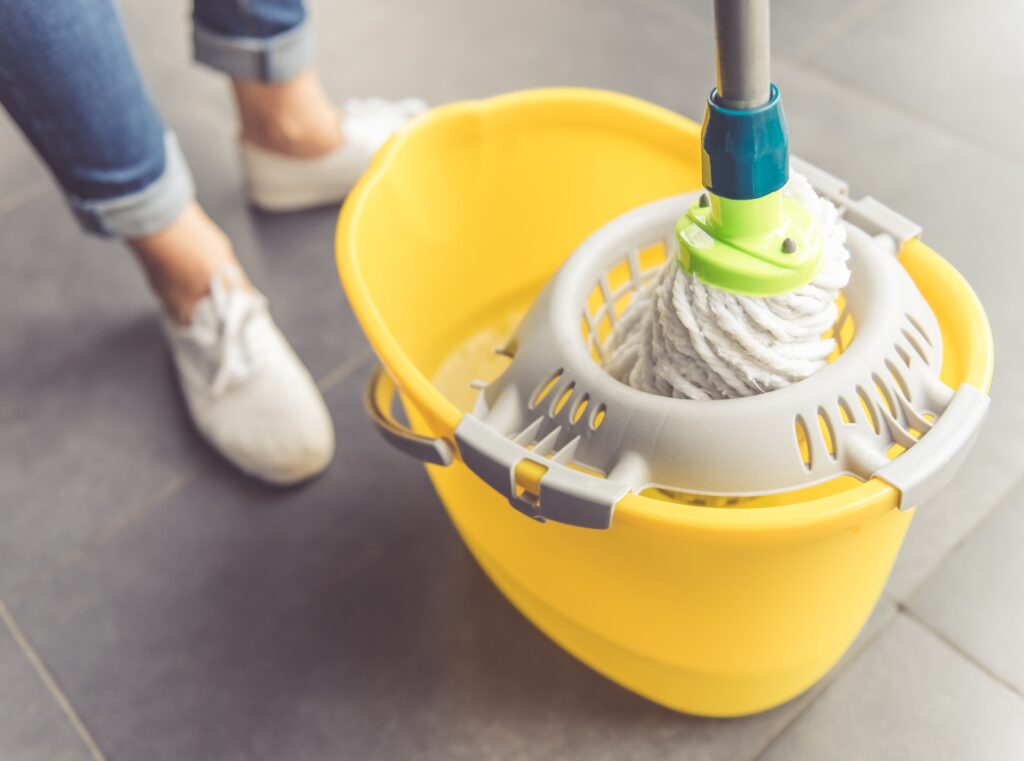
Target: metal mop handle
(742,35)
(742,235)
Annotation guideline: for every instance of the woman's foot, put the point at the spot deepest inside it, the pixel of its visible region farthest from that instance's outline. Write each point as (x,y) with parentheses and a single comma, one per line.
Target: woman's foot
(179,260)
(293,118)
(298,151)
(246,390)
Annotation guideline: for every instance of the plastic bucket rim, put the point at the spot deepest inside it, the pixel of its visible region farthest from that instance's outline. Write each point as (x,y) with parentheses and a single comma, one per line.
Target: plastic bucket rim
(847,508)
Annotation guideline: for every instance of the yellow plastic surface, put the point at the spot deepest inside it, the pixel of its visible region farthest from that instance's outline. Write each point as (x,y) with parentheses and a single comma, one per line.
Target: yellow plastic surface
(717,611)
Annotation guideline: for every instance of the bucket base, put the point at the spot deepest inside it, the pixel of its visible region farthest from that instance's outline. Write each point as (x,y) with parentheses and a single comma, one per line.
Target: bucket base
(700,694)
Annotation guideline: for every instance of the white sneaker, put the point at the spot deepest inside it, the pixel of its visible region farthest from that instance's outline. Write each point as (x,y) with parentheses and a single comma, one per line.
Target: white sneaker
(248,393)
(276,182)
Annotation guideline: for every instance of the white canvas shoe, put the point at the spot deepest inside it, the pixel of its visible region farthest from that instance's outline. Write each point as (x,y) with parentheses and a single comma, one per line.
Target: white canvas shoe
(248,393)
(276,182)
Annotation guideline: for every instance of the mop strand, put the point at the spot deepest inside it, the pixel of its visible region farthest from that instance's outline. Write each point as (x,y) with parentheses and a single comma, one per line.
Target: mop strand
(682,338)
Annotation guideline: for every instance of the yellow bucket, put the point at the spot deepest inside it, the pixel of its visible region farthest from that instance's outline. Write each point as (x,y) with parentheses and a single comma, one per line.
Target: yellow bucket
(442,247)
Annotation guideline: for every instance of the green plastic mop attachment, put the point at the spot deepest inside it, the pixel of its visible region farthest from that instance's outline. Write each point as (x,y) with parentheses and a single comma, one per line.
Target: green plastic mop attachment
(759,247)
(744,236)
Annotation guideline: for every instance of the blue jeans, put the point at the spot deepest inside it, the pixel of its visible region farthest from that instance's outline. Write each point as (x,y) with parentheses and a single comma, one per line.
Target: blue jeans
(68,80)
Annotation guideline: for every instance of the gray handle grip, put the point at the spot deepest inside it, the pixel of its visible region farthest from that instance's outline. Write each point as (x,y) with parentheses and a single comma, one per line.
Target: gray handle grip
(378,399)
(924,469)
(744,68)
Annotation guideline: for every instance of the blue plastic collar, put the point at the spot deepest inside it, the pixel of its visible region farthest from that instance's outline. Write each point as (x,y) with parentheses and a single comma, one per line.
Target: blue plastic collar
(745,154)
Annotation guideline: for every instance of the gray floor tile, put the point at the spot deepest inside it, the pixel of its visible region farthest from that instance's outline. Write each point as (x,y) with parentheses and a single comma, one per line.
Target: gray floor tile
(974,599)
(925,174)
(907,697)
(21,175)
(949,63)
(91,424)
(796,25)
(342,619)
(453,49)
(32,725)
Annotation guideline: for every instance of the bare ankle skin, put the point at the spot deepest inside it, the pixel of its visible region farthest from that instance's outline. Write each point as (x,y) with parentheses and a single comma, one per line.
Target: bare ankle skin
(295,118)
(180,260)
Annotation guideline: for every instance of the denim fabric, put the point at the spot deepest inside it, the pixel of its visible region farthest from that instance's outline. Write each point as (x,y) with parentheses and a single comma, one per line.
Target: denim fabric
(249,18)
(68,79)
(264,40)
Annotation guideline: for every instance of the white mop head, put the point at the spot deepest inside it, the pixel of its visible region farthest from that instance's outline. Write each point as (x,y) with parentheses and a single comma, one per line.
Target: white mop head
(682,338)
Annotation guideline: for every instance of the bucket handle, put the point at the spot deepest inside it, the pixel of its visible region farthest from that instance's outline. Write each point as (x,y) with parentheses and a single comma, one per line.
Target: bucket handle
(379,401)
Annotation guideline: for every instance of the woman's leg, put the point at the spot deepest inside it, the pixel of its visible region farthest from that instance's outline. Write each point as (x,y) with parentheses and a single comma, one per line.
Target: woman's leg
(68,79)
(266,47)
(298,148)
(180,258)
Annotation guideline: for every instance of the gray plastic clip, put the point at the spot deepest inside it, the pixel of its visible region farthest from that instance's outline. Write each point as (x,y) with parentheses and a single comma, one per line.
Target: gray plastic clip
(874,217)
(928,465)
(566,495)
(867,213)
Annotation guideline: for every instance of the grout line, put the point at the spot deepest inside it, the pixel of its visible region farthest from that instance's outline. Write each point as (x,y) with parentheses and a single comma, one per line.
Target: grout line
(999,503)
(51,684)
(172,487)
(901,609)
(961,652)
(112,529)
(23,195)
(344,371)
(833,675)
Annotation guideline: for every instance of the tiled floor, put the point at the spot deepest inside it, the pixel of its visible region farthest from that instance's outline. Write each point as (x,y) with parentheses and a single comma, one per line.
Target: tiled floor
(155,605)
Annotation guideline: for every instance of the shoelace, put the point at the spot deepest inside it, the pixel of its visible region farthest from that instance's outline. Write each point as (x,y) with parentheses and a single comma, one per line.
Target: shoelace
(232,346)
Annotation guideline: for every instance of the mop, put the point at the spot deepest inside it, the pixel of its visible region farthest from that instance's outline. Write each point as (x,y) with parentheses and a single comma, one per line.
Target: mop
(703,329)
(778,346)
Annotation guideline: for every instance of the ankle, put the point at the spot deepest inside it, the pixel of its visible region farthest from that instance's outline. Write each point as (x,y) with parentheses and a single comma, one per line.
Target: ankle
(180,260)
(295,118)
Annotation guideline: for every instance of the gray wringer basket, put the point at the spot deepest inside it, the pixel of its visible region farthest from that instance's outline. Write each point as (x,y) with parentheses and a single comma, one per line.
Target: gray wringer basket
(556,405)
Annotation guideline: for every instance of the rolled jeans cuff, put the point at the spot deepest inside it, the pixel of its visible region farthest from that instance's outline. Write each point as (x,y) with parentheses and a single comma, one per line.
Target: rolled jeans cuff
(263,59)
(145,211)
